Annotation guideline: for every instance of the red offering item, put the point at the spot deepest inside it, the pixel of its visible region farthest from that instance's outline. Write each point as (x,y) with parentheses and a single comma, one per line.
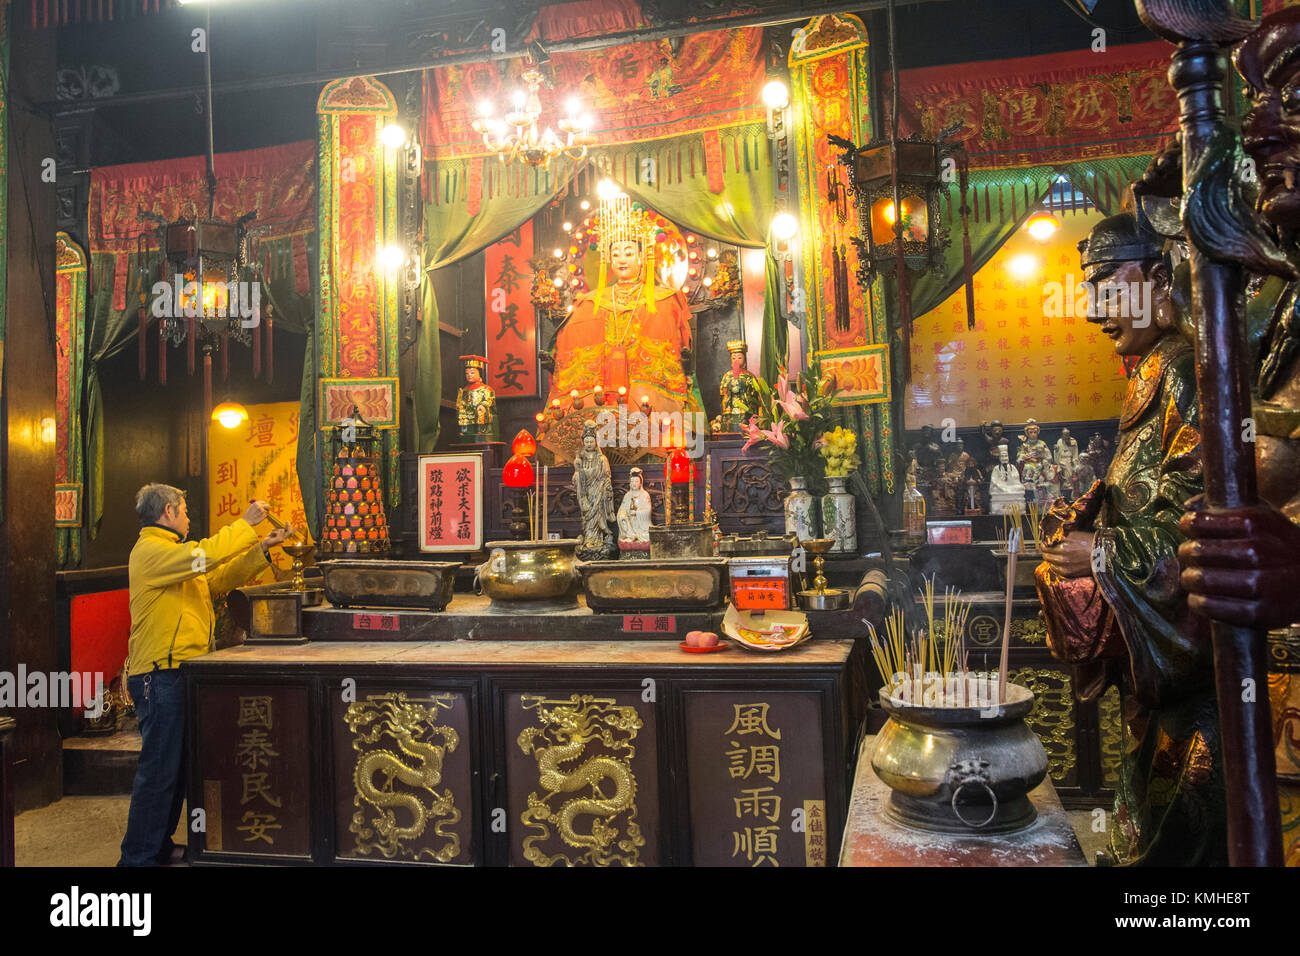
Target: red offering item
(678,468)
(524,444)
(518,472)
(721,646)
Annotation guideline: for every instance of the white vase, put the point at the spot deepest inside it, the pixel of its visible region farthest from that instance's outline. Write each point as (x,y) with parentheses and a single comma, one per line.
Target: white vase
(800,519)
(839,515)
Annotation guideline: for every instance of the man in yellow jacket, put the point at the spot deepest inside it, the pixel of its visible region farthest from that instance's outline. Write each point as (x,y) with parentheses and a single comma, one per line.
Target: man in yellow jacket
(172,582)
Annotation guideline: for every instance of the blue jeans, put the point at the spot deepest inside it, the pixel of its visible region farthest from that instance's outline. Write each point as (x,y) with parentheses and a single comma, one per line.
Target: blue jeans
(160,776)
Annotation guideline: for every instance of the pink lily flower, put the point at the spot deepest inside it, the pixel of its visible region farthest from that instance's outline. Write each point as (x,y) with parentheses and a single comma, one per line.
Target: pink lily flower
(777,435)
(782,387)
(794,407)
(753,435)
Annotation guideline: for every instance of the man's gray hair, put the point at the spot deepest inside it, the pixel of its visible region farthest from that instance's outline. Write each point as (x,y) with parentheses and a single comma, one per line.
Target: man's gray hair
(153,498)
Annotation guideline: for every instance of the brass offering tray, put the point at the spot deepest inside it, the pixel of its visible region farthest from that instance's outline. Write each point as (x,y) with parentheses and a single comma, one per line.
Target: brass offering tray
(361,582)
(671,584)
(736,546)
(685,540)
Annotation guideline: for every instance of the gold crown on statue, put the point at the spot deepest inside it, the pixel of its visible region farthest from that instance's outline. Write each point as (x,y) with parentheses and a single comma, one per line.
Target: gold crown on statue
(618,221)
(738,345)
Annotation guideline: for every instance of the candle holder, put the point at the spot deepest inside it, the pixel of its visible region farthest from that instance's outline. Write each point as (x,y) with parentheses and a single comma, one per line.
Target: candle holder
(599,395)
(821,598)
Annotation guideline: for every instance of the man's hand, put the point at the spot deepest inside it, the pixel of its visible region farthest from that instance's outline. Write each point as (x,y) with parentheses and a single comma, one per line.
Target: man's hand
(1072,558)
(277,537)
(1241,565)
(256,513)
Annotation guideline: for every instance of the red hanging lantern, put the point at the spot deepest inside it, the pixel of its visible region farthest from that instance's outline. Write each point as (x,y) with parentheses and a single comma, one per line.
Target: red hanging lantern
(518,472)
(524,444)
(678,468)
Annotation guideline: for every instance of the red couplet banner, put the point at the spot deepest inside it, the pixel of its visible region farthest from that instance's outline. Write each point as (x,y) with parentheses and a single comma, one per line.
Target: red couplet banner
(510,330)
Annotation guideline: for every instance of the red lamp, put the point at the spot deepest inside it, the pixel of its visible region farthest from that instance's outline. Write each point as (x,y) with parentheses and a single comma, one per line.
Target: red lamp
(518,472)
(524,443)
(678,467)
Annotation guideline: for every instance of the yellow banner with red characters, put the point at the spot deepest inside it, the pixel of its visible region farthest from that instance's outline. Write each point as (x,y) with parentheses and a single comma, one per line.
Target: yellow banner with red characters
(1024,359)
(257,459)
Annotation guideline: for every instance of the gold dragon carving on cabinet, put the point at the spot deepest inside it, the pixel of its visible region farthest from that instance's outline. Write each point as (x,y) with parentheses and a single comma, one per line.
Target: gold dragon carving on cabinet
(567,728)
(412,725)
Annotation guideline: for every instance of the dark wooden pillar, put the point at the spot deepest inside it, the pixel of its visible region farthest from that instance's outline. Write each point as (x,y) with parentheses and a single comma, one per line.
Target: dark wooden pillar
(27,397)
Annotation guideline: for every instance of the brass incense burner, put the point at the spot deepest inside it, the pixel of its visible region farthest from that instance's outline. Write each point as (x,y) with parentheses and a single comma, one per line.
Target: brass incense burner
(960,769)
(530,575)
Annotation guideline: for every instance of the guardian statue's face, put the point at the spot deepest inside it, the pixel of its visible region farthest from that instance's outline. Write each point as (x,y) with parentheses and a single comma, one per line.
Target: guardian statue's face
(1269,61)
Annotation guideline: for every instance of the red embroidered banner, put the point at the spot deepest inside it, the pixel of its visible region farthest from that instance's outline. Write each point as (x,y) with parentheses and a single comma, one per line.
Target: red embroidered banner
(279,182)
(632,93)
(359,231)
(511,327)
(1063,107)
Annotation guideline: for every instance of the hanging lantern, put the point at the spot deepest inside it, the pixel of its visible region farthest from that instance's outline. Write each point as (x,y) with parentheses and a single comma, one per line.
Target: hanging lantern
(678,467)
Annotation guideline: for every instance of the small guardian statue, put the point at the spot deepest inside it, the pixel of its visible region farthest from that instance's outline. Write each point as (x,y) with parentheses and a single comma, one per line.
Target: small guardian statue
(476,403)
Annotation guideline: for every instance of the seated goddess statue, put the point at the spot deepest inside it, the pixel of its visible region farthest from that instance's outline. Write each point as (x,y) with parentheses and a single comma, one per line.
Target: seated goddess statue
(1006,490)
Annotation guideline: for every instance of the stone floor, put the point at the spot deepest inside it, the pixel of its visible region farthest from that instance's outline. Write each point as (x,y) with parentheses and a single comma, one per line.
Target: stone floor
(75,831)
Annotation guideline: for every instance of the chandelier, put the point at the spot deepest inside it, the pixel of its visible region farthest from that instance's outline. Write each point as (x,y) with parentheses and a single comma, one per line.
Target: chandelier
(526,142)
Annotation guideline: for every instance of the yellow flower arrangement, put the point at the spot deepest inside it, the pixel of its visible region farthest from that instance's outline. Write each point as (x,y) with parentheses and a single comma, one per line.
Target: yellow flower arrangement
(840,449)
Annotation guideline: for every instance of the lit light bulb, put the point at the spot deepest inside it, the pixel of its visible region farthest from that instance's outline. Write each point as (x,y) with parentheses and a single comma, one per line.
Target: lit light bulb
(392,258)
(559,283)
(707,282)
(608,190)
(559,253)
(776,96)
(49,431)
(584,205)
(230,414)
(784,226)
(519,99)
(393,136)
(713,253)
(485,109)
(1042,226)
(568,227)
(1023,266)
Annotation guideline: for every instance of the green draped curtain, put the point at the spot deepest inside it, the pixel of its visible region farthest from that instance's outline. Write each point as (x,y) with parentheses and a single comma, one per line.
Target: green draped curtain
(995,222)
(740,214)
(452,233)
(110,330)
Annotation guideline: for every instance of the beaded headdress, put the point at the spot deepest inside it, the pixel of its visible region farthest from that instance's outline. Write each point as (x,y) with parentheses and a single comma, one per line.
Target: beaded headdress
(621,221)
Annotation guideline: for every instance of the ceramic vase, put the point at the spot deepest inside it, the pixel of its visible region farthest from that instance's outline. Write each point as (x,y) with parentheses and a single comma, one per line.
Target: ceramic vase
(800,519)
(839,515)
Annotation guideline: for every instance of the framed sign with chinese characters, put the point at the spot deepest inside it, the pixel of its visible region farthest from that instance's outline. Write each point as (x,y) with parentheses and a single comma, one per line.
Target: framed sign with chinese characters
(450,500)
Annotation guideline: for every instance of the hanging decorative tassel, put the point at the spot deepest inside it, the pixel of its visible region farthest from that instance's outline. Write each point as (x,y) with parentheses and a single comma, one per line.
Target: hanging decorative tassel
(1028,203)
(679,162)
(192,333)
(968,273)
(142,336)
(207,382)
(988,209)
(270,351)
(1015,216)
(1074,200)
(257,350)
(162,355)
(1002,216)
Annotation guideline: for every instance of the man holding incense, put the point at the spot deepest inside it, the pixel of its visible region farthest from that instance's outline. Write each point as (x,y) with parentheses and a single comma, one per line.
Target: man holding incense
(1110,580)
(172,582)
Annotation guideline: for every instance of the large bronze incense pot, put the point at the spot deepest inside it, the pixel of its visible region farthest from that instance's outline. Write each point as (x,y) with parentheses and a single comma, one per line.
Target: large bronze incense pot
(530,575)
(961,769)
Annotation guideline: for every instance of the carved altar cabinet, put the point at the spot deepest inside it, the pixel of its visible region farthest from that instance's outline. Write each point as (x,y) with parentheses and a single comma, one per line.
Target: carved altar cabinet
(615,752)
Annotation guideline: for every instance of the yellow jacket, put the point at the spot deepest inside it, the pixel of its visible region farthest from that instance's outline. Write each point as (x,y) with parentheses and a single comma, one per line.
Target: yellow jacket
(172,583)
